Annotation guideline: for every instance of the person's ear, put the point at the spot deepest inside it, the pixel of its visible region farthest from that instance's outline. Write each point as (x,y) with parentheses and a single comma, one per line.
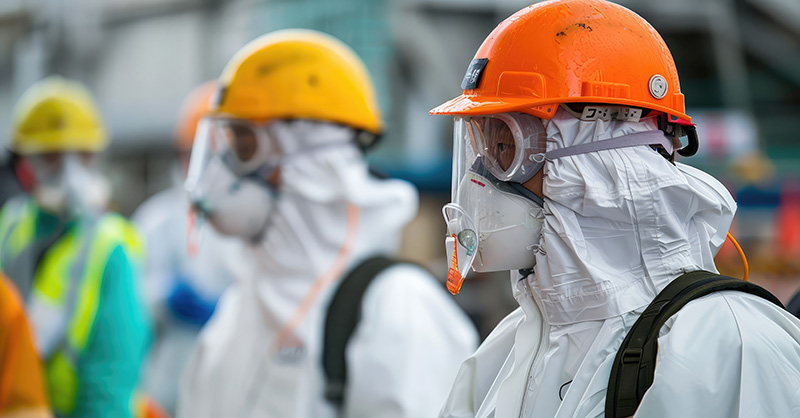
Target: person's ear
(274,178)
(536,184)
(23,169)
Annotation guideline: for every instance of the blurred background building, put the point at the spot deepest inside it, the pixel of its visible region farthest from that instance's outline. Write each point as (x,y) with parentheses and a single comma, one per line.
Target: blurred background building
(739,63)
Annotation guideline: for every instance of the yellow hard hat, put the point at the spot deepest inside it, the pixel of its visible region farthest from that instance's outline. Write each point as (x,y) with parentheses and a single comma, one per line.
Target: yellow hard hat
(299,74)
(57,115)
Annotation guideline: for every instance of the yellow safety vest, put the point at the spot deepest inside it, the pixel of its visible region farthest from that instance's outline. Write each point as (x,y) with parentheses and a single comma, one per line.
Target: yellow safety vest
(68,277)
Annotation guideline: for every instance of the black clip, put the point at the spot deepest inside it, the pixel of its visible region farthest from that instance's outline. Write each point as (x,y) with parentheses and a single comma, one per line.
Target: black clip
(632,356)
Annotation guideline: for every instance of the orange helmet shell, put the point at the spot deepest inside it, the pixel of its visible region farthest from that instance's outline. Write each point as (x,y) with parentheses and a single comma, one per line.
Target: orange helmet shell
(570,51)
(196,106)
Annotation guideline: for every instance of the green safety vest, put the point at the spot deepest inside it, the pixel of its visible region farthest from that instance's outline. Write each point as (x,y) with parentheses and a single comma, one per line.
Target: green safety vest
(68,277)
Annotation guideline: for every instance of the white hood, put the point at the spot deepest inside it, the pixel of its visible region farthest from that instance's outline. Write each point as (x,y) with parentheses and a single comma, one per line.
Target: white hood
(620,224)
(329,195)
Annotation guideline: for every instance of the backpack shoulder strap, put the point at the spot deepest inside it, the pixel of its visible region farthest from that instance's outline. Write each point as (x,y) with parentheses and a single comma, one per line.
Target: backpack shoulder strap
(344,313)
(794,305)
(634,365)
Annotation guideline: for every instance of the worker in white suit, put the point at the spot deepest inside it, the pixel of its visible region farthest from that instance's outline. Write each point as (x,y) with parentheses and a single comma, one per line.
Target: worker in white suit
(278,163)
(564,174)
(185,276)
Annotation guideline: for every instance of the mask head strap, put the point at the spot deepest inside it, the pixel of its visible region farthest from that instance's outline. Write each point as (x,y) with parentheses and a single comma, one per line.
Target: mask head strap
(631,140)
(519,188)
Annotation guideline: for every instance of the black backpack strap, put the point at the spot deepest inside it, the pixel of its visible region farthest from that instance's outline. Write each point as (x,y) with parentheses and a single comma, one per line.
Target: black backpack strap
(634,366)
(344,313)
(794,305)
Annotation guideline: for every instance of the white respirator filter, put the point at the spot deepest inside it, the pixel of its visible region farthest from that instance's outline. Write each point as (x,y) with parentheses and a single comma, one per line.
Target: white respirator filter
(491,227)
(236,206)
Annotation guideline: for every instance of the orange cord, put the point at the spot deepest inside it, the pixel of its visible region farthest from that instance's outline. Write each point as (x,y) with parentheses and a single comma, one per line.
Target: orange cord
(741,254)
(335,271)
(454,278)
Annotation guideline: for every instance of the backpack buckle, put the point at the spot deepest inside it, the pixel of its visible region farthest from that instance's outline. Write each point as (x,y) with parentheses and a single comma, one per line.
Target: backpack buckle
(632,356)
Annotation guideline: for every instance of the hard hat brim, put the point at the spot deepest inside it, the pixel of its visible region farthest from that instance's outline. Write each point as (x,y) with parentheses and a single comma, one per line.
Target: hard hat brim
(84,141)
(474,105)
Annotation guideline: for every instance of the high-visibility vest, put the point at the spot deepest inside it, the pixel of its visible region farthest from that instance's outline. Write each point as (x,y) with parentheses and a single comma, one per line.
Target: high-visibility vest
(68,278)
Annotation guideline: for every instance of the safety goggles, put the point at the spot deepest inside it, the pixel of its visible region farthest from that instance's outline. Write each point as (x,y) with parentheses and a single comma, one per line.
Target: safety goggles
(245,147)
(512,144)
(48,166)
(511,147)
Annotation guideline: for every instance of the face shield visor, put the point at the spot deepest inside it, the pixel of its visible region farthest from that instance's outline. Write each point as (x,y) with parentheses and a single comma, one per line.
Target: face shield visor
(494,222)
(227,180)
(243,146)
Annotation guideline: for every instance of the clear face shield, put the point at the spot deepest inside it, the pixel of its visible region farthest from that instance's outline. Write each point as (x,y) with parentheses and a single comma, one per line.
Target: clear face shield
(231,161)
(494,222)
(244,147)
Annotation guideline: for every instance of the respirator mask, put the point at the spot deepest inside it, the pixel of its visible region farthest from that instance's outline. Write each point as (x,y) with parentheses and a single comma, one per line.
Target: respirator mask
(69,184)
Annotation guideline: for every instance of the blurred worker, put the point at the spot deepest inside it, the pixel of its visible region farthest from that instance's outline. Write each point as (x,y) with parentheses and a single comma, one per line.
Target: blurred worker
(278,164)
(181,289)
(75,264)
(565,175)
(22,389)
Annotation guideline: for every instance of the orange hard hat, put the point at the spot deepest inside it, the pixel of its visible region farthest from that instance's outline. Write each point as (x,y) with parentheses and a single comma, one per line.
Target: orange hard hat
(195,106)
(570,51)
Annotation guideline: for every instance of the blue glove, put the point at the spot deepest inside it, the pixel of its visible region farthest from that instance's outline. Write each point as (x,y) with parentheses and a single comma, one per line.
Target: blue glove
(187,305)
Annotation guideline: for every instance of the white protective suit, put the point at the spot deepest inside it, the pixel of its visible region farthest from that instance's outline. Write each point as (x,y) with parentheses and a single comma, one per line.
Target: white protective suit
(260,355)
(619,226)
(163,222)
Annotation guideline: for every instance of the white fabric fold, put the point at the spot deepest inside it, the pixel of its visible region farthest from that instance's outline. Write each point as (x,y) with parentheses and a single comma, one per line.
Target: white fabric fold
(620,223)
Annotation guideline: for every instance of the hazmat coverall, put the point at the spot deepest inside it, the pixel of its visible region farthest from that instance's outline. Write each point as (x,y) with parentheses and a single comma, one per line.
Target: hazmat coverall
(260,355)
(619,225)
